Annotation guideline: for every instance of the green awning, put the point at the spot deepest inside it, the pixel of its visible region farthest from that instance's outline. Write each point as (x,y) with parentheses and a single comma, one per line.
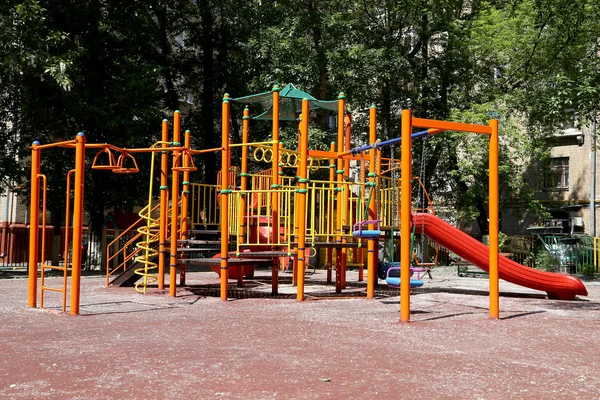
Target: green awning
(290,103)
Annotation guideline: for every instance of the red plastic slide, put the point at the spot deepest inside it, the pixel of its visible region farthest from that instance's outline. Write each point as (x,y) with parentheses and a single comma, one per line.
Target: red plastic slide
(558,286)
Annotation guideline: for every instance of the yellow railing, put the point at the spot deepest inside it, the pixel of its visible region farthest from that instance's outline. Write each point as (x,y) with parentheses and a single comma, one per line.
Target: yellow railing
(255,230)
(204,207)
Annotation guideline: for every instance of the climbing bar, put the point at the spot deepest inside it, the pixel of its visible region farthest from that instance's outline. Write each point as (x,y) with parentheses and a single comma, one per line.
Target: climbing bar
(203,151)
(255,143)
(380,144)
(451,126)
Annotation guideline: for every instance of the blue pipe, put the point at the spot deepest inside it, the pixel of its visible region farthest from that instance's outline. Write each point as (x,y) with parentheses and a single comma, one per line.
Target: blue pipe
(377,145)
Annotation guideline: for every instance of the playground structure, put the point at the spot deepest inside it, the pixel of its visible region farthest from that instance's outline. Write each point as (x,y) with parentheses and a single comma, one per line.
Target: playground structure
(281,213)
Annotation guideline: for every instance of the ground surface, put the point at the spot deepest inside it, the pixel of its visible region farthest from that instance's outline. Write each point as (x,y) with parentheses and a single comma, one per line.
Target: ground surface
(131,346)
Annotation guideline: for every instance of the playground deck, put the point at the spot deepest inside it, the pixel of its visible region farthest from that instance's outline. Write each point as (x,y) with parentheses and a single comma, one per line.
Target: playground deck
(126,345)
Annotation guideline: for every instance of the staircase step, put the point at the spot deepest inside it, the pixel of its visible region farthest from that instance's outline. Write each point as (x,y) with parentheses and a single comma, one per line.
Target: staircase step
(204,232)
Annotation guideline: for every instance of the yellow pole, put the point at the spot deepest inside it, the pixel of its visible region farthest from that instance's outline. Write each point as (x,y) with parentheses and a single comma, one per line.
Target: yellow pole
(302,191)
(225,196)
(330,212)
(405,216)
(34,215)
(493,218)
(275,185)
(164,206)
(185,201)
(371,268)
(339,206)
(174,207)
(244,176)
(77,222)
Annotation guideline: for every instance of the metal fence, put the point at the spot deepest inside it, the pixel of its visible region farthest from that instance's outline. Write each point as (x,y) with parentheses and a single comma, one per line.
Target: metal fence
(14,247)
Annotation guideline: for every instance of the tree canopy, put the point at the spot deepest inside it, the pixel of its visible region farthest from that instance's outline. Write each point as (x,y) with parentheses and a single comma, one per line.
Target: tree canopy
(115,69)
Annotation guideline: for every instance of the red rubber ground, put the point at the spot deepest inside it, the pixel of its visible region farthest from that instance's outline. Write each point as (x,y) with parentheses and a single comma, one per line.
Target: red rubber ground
(132,346)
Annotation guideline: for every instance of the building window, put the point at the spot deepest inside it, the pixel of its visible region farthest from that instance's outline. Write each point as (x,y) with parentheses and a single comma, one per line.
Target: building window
(570,120)
(558,174)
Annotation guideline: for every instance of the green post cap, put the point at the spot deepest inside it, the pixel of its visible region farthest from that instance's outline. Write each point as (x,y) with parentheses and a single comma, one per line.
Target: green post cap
(373,106)
(276,88)
(341,96)
(177,111)
(165,120)
(226,98)
(188,131)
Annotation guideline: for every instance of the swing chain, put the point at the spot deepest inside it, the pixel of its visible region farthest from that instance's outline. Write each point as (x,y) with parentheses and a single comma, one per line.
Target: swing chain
(422,176)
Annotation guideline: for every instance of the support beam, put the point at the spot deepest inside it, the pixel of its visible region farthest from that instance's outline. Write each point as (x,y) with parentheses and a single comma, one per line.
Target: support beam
(493,220)
(405,216)
(34,216)
(77,223)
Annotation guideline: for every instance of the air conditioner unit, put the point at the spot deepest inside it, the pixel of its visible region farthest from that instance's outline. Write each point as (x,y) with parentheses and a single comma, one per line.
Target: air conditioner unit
(578,221)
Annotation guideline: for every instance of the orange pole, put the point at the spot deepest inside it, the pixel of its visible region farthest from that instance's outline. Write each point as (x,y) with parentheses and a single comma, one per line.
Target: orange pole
(296,214)
(275,184)
(185,202)
(275,266)
(330,211)
(174,207)
(371,268)
(493,218)
(340,253)
(243,187)
(67,225)
(164,206)
(302,191)
(77,222)
(224,206)
(346,200)
(405,216)
(34,216)
(43,249)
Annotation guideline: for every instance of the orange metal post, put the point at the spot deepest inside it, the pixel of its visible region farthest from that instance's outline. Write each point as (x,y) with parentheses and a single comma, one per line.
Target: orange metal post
(77,222)
(185,202)
(493,218)
(174,207)
(302,191)
(34,216)
(330,212)
(371,268)
(275,185)
(67,237)
(405,216)
(225,196)
(340,253)
(243,186)
(164,206)
(346,194)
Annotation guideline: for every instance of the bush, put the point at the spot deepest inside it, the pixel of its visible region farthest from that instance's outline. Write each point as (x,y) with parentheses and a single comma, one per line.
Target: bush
(588,270)
(546,261)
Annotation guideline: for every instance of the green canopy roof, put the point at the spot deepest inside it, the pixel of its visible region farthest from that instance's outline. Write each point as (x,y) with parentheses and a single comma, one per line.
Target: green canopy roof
(290,103)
